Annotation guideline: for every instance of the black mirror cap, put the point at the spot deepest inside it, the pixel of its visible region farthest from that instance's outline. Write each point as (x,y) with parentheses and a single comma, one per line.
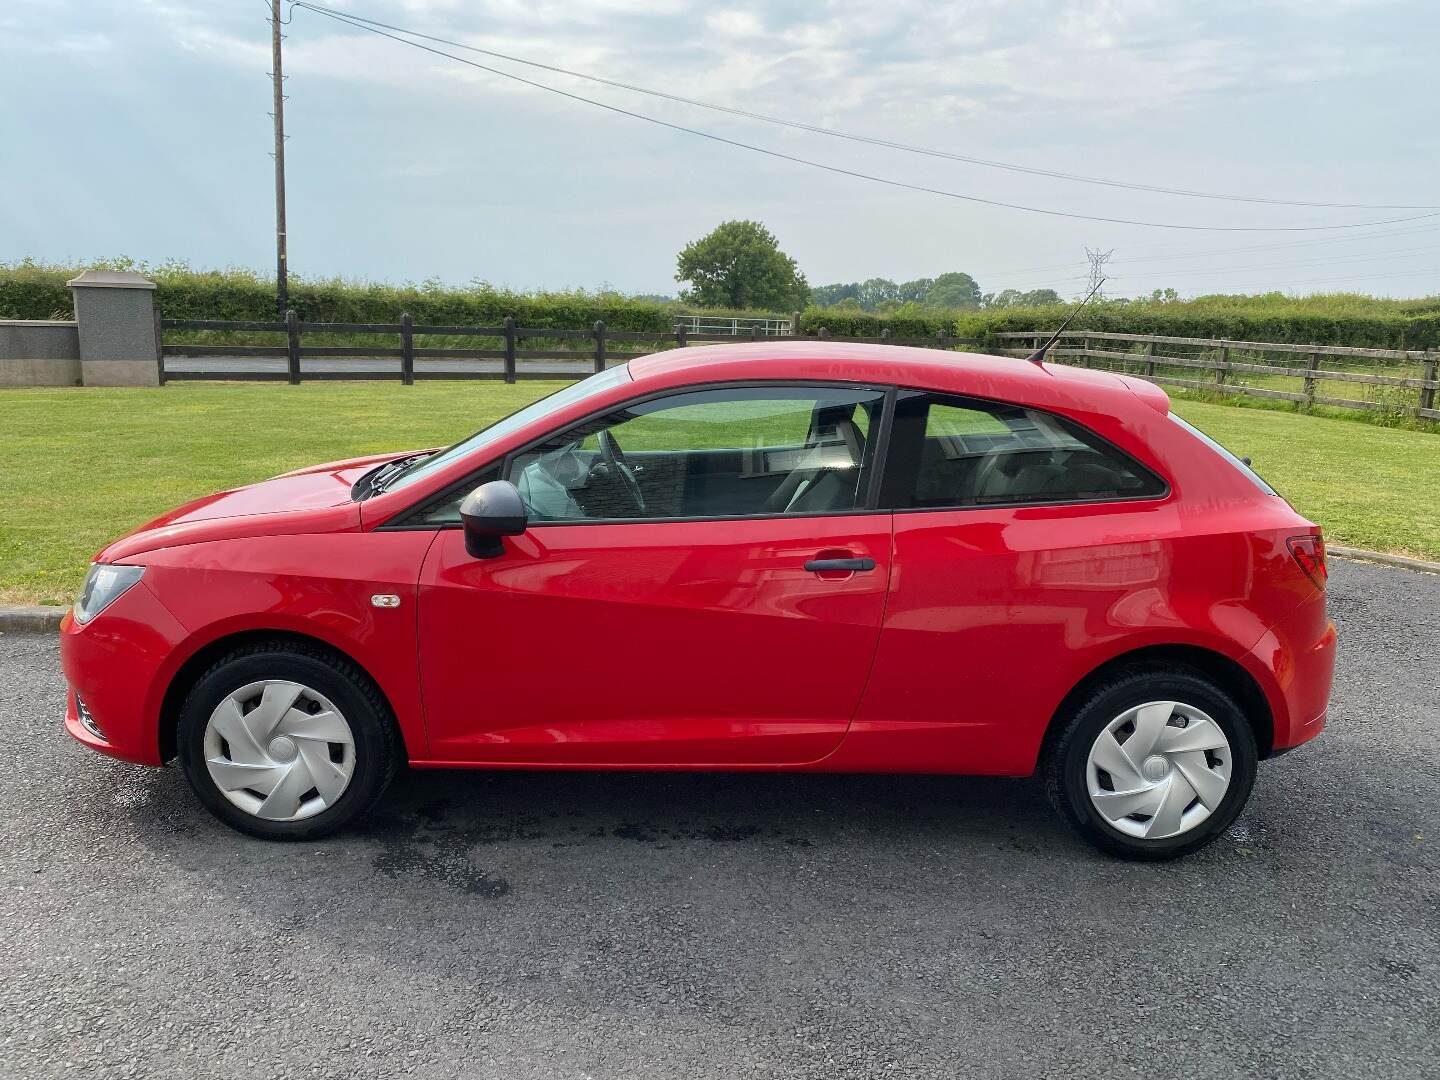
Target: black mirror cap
(489,512)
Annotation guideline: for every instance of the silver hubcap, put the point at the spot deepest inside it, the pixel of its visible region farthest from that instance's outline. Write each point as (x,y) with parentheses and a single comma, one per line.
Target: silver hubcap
(1159,769)
(279,750)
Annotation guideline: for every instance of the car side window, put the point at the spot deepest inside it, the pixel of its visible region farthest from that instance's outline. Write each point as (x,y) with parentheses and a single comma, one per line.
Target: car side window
(723,452)
(967,452)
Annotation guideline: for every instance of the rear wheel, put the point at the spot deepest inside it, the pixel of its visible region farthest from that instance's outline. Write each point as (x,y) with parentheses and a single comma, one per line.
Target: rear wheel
(286,742)
(1152,764)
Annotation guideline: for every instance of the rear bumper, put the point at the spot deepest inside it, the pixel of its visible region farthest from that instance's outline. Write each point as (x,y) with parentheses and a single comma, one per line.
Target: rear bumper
(117,664)
(1296,659)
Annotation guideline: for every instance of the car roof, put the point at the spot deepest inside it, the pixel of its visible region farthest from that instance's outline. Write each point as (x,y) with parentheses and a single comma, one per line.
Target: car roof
(1001,378)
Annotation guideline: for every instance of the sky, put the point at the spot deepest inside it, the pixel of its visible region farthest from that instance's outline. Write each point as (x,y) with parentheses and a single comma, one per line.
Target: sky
(141,128)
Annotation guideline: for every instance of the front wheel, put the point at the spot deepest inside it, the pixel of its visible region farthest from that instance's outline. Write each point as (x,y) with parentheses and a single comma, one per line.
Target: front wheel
(1152,764)
(286,742)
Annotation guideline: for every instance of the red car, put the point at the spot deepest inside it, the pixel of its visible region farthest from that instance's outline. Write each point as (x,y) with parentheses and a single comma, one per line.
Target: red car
(798,556)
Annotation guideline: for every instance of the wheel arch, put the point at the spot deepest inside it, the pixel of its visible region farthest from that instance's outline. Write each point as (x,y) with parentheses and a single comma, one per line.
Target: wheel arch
(204,657)
(1228,674)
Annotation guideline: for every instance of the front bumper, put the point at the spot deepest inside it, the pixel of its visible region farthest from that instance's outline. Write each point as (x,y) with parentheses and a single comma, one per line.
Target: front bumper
(119,663)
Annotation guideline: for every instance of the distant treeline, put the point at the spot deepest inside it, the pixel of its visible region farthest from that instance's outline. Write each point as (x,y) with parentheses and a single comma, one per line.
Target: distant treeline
(953,291)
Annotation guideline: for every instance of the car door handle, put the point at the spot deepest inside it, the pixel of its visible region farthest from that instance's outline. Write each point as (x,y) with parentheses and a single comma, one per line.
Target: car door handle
(817,565)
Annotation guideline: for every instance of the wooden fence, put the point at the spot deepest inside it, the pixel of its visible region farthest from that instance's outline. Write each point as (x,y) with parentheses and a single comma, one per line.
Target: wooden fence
(1397,380)
(593,349)
(509,360)
(1393,380)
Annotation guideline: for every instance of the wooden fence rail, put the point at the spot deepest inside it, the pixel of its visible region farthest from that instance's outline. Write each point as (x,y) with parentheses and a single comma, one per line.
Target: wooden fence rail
(1404,380)
(1229,363)
(514,361)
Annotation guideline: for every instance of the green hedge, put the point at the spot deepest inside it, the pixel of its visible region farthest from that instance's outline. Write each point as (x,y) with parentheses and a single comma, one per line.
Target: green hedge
(840,322)
(31,291)
(1322,320)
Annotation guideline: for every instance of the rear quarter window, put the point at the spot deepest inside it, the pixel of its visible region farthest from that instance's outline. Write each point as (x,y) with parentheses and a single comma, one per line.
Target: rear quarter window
(1239,463)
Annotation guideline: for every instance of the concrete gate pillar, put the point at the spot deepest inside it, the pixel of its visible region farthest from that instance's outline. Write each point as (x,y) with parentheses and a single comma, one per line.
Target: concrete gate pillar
(115,313)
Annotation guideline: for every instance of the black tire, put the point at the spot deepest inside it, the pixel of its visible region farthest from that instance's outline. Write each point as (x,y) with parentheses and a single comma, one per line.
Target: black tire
(372,725)
(1064,774)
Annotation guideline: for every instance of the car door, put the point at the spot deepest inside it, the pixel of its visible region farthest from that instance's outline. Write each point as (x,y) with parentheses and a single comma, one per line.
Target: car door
(701,583)
(1022,544)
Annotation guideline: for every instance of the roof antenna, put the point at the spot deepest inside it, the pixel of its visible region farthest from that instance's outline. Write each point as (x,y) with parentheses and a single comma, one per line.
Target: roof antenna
(1038,356)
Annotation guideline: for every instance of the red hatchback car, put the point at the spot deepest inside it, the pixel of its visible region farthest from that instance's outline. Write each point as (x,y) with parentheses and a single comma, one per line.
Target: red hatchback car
(804,556)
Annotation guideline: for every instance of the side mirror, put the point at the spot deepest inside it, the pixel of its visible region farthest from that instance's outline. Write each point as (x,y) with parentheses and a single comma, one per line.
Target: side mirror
(489,512)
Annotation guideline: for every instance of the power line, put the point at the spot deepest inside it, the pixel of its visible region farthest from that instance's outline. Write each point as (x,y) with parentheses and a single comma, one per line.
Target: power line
(851,136)
(840,171)
(1184,276)
(1233,251)
(1262,283)
(1405,253)
(1434,271)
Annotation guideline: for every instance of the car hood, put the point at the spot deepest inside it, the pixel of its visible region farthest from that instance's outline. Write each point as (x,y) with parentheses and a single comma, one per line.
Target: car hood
(312,499)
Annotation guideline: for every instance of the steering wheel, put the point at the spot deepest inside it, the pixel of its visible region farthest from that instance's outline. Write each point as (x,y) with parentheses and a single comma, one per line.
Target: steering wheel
(614,457)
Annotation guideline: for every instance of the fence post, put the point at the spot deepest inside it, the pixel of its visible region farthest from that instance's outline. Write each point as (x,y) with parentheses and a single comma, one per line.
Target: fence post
(1311,364)
(407,349)
(509,348)
(795,324)
(292,344)
(1150,359)
(1429,373)
(1085,351)
(599,331)
(1223,364)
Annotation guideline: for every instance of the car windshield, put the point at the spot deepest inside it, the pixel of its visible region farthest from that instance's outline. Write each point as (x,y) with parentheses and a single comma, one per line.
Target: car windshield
(579,391)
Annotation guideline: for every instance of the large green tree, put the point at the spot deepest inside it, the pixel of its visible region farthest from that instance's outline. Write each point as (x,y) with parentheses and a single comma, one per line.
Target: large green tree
(740,265)
(954,290)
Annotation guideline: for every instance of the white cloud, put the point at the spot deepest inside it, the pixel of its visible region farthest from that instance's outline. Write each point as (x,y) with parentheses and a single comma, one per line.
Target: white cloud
(734,22)
(1152,90)
(903,66)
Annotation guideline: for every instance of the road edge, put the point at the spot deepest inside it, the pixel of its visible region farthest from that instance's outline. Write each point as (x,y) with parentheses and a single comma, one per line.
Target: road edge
(34,619)
(1402,561)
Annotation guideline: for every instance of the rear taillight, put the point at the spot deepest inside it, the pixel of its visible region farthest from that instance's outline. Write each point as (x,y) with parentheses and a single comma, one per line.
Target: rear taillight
(1309,553)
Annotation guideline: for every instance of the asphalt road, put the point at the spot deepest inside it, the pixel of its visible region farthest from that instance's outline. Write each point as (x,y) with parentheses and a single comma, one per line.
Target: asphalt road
(517,926)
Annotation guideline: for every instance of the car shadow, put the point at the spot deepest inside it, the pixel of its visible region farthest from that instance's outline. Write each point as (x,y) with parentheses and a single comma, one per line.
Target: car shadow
(653,807)
(436,823)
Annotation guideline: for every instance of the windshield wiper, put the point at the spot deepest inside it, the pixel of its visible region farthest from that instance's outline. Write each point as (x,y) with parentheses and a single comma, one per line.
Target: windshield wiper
(375,481)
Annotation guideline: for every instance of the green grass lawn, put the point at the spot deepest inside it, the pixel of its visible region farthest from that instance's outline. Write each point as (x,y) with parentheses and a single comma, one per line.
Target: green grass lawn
(81,466)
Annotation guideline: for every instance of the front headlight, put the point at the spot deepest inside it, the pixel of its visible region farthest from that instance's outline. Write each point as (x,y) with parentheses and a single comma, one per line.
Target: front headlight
(103,585)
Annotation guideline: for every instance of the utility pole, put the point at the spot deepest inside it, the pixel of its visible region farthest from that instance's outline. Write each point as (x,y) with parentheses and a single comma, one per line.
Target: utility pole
(1098,259)
(282,283)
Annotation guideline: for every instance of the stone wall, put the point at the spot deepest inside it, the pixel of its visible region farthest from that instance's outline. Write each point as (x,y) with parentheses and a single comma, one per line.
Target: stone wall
(39,353)
(113,340)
